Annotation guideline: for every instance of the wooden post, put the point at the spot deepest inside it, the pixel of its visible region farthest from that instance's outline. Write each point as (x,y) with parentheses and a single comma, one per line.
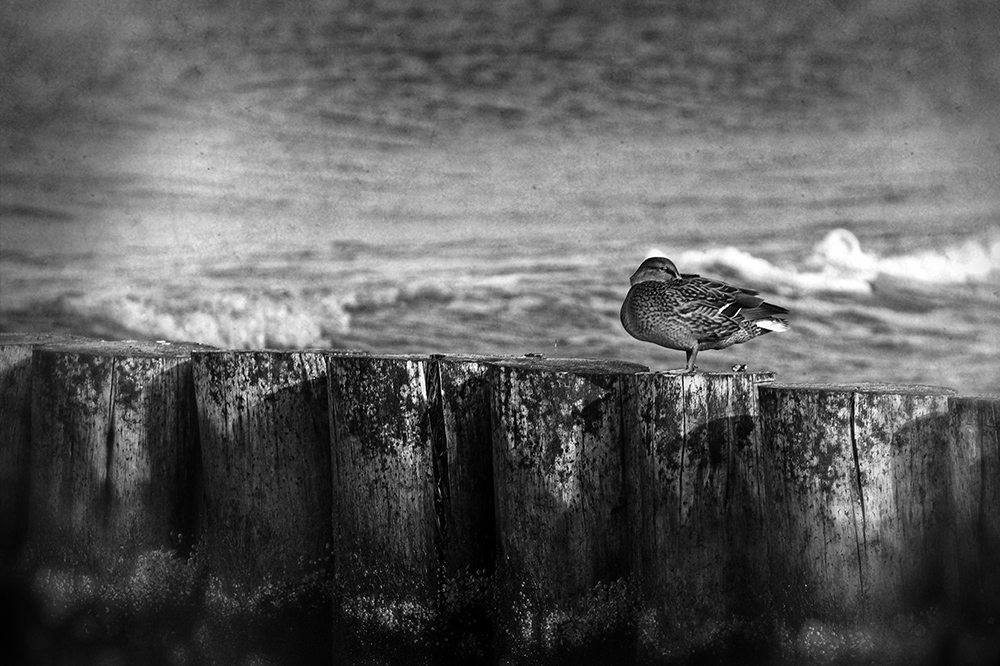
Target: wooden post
(113,459)
(560,507)
(693,471)
(266,541)
(857,494)
(266,459)
(975,501)
(15,435)
(384,514)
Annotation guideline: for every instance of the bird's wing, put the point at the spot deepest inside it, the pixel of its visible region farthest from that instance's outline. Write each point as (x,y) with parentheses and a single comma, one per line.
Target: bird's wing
(707,321)
(714,309)
(707,307)
(717,295)
(717,284)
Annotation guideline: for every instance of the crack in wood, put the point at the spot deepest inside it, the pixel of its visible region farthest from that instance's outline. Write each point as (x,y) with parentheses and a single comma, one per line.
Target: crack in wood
(684,442)
(439,452)
(109,445)
(861,543)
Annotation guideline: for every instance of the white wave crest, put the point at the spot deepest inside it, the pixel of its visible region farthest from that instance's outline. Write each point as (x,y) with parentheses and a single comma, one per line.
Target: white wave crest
(240,319)
(838,264)
(970,261)
(228,320)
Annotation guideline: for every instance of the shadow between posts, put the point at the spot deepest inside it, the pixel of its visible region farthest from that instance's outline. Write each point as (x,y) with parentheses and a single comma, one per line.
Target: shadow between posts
(974,470)
(413,517)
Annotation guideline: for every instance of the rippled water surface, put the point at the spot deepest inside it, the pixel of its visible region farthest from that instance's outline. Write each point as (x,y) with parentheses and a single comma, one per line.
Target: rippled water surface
(484,176)
(397,181)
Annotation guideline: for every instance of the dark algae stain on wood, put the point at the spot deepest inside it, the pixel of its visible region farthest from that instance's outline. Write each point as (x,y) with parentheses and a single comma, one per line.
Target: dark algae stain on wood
(857,477)
(266,543)
(113,439)
(557,449)
(694,514)
(414,509)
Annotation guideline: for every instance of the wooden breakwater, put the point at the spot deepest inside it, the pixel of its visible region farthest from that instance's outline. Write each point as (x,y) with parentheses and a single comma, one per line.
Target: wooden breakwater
(335,506)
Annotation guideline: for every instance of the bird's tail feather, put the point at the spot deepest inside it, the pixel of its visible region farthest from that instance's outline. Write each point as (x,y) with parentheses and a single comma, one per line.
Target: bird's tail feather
(773,324)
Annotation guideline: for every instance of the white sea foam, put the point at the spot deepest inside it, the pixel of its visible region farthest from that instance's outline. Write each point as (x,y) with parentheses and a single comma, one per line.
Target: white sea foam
(970,261)
(230,320)
(839,264)
(236,316)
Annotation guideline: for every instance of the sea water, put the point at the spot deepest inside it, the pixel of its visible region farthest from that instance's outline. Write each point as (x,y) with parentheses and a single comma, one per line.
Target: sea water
(254,216)
(241,233)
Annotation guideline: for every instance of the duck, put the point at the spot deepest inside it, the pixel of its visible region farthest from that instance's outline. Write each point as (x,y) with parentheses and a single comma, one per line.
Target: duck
(690,313)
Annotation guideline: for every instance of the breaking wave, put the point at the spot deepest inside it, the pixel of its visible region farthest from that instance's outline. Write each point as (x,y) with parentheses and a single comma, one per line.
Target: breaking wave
(227,319)
(838,264)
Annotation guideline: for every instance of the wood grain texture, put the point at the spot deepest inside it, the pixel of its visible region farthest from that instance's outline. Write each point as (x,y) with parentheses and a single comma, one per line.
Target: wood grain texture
(383,471)
(692,464)
(114,446)
(560,502)
(15,434)
(385,547)
(266,459)
(975,499)
(856,483)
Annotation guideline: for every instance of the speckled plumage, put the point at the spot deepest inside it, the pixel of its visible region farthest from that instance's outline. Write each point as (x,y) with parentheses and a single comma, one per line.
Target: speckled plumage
(691,313)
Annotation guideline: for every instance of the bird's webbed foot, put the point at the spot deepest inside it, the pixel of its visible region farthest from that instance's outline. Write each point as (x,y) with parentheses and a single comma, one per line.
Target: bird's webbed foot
(677,371)
(689,369)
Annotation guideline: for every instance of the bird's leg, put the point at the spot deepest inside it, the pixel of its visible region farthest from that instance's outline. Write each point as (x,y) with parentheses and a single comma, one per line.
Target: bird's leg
(692,354)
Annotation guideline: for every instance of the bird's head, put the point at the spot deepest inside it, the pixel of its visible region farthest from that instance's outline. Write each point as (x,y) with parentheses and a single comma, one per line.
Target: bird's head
(659,269)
